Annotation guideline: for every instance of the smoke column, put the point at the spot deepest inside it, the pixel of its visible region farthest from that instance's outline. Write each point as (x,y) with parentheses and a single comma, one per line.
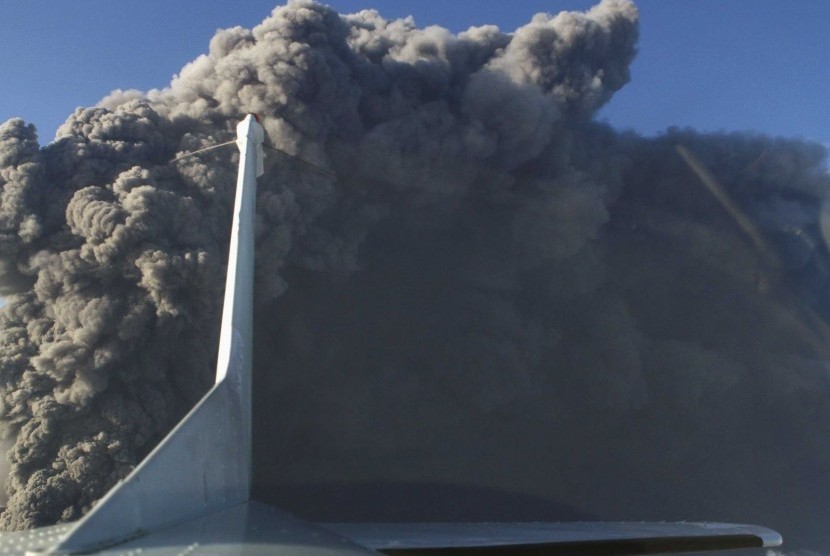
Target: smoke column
(494,296)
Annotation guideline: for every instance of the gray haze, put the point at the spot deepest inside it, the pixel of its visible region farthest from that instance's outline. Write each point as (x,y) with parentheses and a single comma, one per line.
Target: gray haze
(495,293)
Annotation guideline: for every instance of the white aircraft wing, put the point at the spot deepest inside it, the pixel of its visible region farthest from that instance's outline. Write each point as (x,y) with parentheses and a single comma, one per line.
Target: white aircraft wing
(253,529)
(191,494)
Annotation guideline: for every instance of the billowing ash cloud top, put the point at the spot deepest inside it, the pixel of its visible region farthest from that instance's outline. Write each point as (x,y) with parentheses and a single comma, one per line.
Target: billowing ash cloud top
(494,292)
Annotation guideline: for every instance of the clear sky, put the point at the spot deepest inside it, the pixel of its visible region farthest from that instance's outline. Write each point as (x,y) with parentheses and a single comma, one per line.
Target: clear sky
(713,65)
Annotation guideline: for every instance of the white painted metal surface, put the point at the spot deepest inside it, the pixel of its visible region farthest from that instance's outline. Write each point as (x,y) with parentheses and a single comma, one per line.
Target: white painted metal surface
(248,529)
(204,464)
(20,542)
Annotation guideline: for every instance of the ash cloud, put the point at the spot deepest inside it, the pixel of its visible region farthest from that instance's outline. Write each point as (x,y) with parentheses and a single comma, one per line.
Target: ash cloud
(495,292)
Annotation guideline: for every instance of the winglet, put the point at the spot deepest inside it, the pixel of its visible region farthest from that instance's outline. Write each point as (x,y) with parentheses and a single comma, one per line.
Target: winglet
(204,463)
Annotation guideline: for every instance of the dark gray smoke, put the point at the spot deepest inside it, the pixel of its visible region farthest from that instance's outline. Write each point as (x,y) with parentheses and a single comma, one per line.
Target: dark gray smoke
(495,297)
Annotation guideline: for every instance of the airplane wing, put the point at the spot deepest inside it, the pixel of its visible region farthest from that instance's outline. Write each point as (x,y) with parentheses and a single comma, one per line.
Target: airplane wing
(253,529)
(191,494)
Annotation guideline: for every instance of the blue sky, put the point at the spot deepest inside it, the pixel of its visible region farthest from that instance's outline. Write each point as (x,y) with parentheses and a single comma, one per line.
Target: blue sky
(713,65)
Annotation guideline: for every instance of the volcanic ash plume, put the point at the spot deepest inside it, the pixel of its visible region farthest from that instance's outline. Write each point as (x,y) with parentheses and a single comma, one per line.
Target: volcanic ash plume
(489,291)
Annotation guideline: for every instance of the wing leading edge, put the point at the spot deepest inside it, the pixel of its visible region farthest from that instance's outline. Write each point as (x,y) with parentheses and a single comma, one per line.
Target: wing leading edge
(191,494)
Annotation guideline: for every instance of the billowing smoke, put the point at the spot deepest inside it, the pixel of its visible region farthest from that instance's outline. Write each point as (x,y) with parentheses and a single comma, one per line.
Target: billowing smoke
(495,298)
